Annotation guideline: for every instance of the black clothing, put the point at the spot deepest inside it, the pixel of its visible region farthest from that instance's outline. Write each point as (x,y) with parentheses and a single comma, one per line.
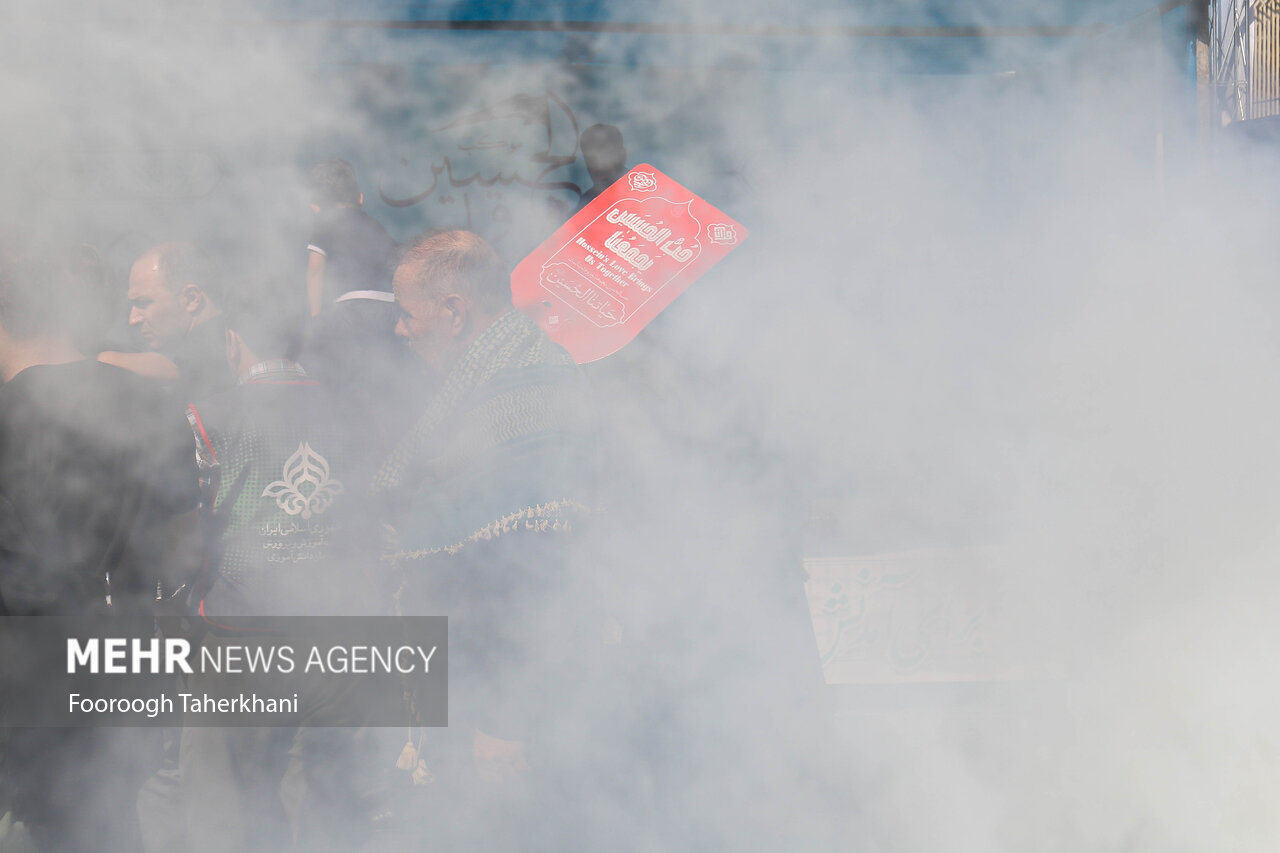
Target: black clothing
(358,252)
(92,460)
(250,788)
(201,357)
(587,197)
(351,347)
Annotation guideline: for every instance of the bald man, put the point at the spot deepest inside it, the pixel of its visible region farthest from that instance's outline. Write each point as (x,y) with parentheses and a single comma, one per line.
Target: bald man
(170,294)
(174,304)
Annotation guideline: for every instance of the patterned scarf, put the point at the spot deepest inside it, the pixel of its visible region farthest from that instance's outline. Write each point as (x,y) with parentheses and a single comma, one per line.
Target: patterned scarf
(499,449)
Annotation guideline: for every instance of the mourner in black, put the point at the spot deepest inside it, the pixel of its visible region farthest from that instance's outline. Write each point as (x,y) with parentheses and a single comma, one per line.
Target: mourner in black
(95,472)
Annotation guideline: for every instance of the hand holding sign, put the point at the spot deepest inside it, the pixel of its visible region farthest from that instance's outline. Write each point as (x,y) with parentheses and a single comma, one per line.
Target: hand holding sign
(608,271)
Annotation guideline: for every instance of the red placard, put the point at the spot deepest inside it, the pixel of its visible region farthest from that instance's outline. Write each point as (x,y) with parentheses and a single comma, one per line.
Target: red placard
(604,274)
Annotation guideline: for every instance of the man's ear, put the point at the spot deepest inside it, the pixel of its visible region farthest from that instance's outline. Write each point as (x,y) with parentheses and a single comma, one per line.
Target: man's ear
(457,312)
(191,298)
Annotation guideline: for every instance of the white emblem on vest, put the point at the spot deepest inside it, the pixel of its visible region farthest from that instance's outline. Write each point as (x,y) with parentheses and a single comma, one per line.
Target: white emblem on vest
(292,495)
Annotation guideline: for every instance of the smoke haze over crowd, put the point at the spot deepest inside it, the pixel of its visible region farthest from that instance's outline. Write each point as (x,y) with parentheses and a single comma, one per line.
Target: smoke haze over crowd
(1001,297)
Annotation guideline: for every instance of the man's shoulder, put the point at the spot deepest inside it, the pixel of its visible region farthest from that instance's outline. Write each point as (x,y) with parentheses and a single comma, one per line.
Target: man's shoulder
(215,405)
(82,371)
(358,217)
(250,397)
(86,386)
(348,222)
(369,237)
(544,376)
(272,406)
(89,416)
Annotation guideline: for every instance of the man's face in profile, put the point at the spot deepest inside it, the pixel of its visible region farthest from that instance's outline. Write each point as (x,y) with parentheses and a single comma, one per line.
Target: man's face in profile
(423,319)
(154,309)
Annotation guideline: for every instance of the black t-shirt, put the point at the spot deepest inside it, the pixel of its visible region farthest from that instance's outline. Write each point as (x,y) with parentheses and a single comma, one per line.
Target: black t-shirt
(359,253)
(352,348)
(93,460)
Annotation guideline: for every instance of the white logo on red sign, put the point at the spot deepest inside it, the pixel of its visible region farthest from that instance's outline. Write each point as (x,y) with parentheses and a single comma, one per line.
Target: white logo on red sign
(643,182)
(722,234)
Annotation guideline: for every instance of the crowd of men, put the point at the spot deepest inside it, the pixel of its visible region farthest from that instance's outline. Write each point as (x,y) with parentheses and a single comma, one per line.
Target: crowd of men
(390,437)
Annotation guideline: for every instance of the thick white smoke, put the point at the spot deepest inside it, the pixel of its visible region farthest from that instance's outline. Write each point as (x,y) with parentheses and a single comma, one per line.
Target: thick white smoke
(1024,312)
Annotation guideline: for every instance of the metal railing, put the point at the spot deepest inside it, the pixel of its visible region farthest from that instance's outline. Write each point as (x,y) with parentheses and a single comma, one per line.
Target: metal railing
(1244,58)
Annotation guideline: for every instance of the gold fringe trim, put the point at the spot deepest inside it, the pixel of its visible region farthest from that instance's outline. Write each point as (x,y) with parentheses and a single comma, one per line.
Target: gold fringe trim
(542,518)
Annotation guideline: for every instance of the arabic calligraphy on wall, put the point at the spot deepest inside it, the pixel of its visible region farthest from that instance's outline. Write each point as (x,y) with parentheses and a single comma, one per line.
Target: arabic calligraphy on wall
(494,169)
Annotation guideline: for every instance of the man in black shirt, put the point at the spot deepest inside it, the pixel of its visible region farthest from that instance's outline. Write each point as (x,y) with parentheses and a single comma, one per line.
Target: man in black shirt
(175,301)
(95,472)
(349,249)
(352,348)
(606,157)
